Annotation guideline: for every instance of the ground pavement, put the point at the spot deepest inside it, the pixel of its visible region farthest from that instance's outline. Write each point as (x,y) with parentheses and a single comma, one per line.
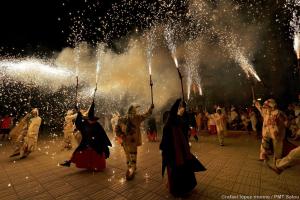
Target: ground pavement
(233,172)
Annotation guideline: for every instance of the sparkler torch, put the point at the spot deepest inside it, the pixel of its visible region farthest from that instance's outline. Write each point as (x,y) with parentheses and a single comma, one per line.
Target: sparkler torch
(95,92)
(253,94)
(180,76)
(151,83)
(297,48)
(76,91)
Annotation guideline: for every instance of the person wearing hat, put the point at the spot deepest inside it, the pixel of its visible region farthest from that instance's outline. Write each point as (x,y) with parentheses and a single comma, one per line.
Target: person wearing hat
(273,129)
(69,129)
(30,140)
(93,148)
(177,158)
(128,128)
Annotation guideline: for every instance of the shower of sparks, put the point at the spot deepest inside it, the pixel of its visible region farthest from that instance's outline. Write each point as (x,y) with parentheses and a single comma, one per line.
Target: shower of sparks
(99,57)
(150,47)
(245,65)
(35,70)
(169,36)
(295,29)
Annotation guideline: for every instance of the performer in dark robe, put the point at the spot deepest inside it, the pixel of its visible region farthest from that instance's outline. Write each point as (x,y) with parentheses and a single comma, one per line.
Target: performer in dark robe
(93,148)
(176,156)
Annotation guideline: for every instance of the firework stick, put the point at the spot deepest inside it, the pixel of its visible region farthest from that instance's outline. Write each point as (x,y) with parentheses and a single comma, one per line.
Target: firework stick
(180,76)
(151,87)
(76,91)
(253,94)
(95,93)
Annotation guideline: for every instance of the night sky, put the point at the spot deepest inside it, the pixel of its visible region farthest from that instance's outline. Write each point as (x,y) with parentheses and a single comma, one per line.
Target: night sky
(48,23)
(43,26)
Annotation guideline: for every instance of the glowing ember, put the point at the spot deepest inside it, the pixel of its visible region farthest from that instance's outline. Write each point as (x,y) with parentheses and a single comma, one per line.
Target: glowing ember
(122,180)
(200,89)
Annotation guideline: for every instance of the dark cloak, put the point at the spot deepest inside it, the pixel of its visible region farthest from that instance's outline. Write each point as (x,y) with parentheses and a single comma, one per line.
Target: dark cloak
(93,136)
(176,156)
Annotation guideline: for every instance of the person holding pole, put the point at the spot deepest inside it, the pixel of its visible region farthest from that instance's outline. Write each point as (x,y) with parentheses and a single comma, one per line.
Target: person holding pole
(128,129)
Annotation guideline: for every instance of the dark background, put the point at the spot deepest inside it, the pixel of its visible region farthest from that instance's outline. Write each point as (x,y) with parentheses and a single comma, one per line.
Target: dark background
(44,26)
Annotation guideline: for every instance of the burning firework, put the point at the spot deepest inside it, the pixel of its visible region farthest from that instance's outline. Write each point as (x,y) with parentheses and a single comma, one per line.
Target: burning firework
(189,82)
(150,46)
(169,36)
(297,44)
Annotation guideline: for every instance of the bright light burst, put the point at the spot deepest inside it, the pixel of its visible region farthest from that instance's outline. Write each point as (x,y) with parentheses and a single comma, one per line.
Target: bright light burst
(150,47)
(295,29)
(34,70)
(245,64)
(189,82)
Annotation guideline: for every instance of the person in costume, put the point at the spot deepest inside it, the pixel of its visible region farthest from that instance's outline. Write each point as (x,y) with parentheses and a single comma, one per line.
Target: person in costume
(93,148)
(18,133)
(176,156)
(69,129)
(30,141)
(220,120)
(293,158)
(273,129)
(128,129)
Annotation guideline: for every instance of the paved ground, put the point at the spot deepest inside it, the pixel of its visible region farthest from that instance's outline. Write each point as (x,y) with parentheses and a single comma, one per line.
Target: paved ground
(233,173)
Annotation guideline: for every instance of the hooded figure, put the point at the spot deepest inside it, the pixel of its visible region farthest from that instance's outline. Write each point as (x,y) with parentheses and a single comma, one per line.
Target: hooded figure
(128,128)
(93,148)
(176,156)
(30,140)
(273,129)
(69,129)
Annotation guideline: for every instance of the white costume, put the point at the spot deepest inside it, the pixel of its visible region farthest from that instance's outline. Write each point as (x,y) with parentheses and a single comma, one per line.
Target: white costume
(69,129)
(220,121)
(291,159)
(273,128)
(18,133)
(30,140)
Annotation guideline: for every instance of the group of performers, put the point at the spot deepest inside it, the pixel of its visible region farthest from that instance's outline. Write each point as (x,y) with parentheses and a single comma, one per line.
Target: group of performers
(177,159)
